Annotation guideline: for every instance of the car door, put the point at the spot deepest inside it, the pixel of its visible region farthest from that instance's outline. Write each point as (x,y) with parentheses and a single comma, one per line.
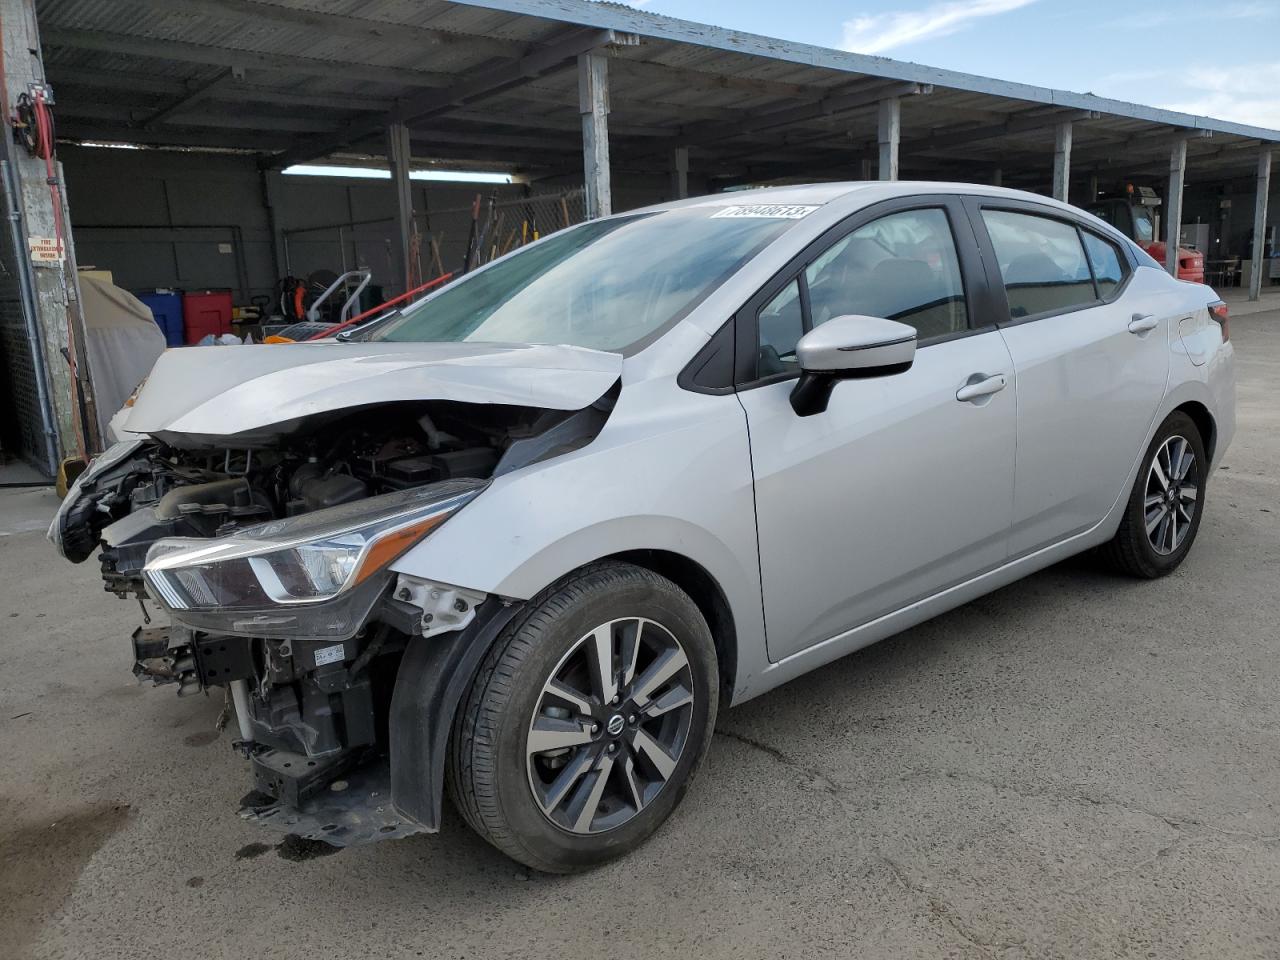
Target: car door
(900,488)
(1090,356)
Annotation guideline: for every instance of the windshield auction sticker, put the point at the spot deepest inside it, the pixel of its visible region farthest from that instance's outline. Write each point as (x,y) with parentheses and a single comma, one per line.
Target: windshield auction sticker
(777,211)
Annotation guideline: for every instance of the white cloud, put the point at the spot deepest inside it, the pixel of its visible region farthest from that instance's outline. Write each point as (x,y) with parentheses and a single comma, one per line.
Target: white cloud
(1197,13)
(1244,92)
(876,33)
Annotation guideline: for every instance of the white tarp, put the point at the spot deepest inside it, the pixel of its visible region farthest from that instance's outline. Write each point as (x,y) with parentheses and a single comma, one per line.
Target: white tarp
(124,343)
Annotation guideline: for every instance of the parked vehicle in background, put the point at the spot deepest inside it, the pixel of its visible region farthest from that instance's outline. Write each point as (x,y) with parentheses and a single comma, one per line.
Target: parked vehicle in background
(1134,211)
(523,541)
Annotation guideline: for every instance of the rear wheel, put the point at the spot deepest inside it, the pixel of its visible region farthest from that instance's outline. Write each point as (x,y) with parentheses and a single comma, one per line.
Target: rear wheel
(587,720)
(1163,514)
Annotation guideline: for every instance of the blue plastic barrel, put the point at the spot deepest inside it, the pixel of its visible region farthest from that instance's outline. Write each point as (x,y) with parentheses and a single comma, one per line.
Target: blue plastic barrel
(166,307)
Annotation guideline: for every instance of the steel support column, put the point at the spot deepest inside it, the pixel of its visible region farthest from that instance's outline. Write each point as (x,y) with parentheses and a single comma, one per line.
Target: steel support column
(997,177)
(1062,161)
(593,104)
(399,153)
(52,312)
(1173,204)
(864,168)
(889,136)
(1263,186)
(680,172)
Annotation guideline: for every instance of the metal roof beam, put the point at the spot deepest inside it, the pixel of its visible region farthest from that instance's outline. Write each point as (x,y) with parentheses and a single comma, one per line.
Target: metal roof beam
(96,80)
(505,76)
(116,79)
(255,143)
(334,24)
(248,93)
(553,122)
(486,83)
(1156,142)
(1195,161)
(194,95)
(430,138)
(125,118)
(240,93)
(649,71)
(184,52)
(790,115)
(955,138)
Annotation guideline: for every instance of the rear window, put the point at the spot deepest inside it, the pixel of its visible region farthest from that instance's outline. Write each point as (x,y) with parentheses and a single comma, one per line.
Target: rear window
(1041,261)
(1106,262)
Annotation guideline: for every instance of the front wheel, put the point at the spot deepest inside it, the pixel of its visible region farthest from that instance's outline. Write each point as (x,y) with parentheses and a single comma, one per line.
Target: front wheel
(587,720)
(1163,514)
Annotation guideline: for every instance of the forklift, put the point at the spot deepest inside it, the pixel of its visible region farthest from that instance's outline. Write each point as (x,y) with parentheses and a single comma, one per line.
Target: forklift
(1134,211)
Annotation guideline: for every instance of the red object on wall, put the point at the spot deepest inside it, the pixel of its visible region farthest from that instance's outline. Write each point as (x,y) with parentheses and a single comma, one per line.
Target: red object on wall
(206,312)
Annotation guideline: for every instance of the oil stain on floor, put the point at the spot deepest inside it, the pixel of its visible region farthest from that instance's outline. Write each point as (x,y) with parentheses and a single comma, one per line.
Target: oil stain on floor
(43,856)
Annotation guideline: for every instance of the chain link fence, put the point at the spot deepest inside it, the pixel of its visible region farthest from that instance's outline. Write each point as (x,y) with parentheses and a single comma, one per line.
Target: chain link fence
(448,239)
(503,225)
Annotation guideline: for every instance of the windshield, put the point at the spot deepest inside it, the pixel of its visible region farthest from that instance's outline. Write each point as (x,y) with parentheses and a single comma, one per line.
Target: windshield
(612,284)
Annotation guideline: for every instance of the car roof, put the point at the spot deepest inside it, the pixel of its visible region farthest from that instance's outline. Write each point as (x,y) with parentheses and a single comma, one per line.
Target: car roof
(856,192)
(848,197)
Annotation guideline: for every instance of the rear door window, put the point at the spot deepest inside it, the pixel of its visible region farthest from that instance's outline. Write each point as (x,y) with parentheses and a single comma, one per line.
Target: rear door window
(1108,269)
(1042,262)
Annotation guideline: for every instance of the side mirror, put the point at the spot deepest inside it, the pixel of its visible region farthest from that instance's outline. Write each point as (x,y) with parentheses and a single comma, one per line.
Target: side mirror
(846,348)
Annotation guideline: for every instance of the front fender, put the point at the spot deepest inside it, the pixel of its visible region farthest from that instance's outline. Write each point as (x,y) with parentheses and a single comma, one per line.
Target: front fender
(670,471)
(434,675)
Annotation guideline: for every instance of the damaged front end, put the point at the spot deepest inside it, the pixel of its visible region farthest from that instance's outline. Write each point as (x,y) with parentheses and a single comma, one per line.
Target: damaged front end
(271,553)
(314,716)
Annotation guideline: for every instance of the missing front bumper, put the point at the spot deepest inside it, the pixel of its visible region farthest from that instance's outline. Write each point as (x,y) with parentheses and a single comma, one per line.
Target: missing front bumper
(352,810)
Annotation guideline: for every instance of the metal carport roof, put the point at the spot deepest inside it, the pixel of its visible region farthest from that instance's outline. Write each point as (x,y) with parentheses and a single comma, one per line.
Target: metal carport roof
(490,82)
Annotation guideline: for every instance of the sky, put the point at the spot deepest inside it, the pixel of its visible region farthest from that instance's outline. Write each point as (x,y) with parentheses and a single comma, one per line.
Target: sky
(1214,57)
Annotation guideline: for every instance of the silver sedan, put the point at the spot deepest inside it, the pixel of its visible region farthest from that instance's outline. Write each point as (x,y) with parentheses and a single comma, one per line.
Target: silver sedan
(521,542)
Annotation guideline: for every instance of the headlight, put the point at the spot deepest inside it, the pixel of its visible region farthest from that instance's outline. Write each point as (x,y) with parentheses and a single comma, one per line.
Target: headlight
(317,574)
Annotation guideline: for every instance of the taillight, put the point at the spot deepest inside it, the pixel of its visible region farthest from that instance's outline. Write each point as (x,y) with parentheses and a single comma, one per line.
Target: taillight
(1218,312)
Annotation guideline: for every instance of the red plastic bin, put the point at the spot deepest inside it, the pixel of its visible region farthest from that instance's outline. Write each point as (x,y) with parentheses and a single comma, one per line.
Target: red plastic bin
(206,312)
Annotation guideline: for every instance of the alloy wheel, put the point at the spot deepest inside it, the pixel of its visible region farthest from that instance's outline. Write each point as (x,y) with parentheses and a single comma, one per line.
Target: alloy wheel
(610,725)
(1172,494)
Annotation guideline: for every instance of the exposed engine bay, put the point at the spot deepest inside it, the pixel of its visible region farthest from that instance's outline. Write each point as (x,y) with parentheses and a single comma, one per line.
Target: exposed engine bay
(313,705)
(166,491)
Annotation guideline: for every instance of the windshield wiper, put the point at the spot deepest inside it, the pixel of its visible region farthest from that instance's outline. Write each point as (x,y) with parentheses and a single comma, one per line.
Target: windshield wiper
(353,333)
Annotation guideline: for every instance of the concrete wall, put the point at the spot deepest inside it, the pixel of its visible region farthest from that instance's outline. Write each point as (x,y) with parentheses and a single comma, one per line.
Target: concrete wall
(200,220)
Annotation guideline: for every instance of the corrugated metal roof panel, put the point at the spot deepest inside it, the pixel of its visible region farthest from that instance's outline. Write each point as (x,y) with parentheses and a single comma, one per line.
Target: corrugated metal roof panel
(681,75)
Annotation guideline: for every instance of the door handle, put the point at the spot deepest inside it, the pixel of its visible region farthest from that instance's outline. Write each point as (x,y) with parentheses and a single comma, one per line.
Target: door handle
(983,388)
(1141,323)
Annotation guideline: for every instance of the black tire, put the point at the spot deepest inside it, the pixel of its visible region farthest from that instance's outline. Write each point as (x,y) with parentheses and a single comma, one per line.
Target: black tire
(1131,550)
(488,777)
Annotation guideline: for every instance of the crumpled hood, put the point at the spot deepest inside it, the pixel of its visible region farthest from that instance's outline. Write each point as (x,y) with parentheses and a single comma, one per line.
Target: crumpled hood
(224,391)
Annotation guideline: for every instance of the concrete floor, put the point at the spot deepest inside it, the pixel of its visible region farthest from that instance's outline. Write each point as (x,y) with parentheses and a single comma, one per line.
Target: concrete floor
(1075,766)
